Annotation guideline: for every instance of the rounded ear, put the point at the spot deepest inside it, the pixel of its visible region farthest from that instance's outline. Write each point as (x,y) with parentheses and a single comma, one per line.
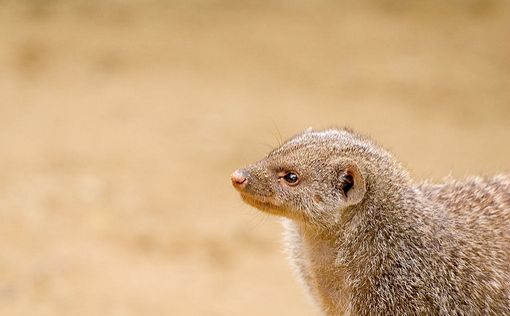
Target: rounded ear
(350,182)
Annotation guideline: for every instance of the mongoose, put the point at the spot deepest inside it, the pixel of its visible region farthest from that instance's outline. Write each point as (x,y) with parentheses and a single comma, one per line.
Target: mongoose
(365,239)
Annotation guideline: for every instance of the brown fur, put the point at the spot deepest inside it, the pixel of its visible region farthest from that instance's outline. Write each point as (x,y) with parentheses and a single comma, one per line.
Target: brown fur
(385,245)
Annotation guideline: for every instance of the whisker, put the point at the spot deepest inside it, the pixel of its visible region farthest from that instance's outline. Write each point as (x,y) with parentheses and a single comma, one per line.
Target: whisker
(278,135)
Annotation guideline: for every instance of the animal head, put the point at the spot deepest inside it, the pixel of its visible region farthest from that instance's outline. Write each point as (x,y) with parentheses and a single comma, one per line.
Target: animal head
(313,176)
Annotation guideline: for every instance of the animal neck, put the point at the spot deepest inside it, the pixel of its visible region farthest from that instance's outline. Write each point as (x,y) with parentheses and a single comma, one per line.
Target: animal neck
(328,283)
(386,220)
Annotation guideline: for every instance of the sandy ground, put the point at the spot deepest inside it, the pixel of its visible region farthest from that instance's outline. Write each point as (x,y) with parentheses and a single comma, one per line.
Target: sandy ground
(120,123)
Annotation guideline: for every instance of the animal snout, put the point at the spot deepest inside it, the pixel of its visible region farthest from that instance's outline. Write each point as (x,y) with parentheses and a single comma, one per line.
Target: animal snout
(239,179)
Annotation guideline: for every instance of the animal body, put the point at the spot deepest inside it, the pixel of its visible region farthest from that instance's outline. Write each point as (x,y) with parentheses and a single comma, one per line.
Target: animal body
(365,239)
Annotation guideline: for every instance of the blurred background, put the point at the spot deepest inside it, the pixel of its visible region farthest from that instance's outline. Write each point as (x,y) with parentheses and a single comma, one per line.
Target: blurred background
(121,121)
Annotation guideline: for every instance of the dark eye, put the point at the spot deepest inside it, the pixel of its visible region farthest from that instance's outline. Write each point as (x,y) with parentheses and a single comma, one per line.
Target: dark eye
(291,178)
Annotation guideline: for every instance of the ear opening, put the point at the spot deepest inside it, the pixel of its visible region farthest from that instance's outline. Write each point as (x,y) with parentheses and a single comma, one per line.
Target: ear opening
(346,182)
(351,183)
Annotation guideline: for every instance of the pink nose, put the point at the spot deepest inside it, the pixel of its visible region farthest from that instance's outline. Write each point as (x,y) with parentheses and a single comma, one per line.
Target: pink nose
(238,179)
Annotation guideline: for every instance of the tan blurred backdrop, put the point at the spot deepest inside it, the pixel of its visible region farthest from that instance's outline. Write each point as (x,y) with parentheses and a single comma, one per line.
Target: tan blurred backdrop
(121,121)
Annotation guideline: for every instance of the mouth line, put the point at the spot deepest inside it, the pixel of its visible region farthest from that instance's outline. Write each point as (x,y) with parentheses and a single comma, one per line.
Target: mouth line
(261,204)
(258,198)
